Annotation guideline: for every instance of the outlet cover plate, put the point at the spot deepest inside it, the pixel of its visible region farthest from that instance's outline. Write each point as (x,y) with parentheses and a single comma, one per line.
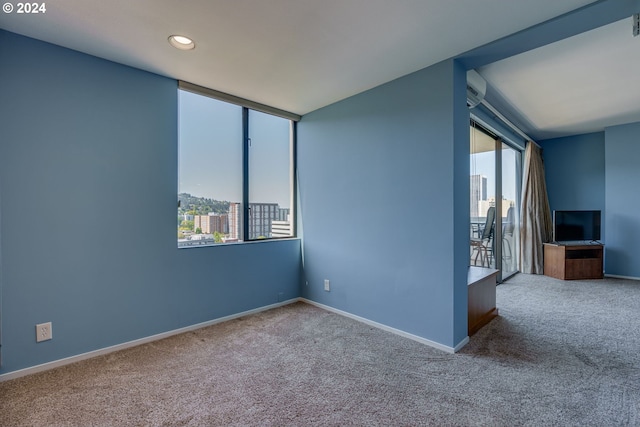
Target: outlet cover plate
(43,332)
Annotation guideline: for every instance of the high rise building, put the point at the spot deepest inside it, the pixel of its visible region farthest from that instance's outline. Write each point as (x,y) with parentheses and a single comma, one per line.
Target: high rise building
(478,192)
(260,218)
(212,223)
(235,221)
(283,214)
(281,228)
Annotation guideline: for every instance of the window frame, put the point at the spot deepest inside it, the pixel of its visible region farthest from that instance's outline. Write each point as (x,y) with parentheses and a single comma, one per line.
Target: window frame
(248,105)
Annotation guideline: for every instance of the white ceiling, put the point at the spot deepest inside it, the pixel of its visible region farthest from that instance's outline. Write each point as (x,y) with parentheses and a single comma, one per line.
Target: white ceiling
(578,85)
(301,55)
(296,55)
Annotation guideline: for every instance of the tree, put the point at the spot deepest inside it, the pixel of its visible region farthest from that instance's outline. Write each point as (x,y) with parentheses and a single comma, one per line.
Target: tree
(198,230)
(217,236)
(201,205)
(186,225)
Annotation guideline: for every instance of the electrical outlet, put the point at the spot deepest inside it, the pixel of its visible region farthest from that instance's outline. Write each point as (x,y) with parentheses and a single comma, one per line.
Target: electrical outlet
(327,286)
(44,332)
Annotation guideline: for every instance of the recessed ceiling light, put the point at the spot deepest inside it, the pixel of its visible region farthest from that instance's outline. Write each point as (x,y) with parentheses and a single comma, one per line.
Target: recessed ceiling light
(181,42)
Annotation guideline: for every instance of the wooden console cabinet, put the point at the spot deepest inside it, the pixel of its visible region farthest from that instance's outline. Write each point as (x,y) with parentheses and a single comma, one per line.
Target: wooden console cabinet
(481,287)
(573,262)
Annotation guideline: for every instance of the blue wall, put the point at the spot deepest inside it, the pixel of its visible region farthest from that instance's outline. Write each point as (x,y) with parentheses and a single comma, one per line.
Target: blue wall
(88,185)
(575,172)
(622,221)
(384,185)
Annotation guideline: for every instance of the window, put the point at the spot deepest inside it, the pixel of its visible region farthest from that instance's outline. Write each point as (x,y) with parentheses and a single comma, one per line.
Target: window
(235,172)
(269,176)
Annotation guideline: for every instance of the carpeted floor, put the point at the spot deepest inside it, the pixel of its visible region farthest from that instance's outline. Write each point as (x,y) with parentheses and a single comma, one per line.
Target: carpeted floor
(560,354)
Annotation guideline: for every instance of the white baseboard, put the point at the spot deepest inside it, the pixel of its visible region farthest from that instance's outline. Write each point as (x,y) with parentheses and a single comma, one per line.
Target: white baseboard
(72,359)
(615,276)
(461,344)
(390,329)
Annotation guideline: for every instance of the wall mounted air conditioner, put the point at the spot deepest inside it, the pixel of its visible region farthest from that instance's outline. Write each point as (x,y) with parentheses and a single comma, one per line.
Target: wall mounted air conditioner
(476,88)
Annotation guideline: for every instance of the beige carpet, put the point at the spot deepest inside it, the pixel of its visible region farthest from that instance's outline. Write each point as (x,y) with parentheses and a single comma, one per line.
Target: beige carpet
(561,353)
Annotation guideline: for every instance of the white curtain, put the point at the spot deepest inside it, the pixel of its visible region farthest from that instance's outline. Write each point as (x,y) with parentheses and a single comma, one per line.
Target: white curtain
(535,214)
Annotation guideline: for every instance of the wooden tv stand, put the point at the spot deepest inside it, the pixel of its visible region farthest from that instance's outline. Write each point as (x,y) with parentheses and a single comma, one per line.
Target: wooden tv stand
(573,262)
(481,288)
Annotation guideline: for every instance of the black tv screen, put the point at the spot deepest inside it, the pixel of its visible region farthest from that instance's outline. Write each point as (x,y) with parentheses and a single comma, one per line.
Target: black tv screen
(576,225)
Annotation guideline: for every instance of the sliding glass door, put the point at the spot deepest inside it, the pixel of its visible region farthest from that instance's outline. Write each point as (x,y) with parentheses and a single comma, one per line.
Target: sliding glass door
(511,172)
(495,170)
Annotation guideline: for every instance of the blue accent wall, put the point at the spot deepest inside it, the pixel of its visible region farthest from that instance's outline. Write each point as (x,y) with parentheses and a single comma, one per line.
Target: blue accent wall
(384,196)
(575,172)
(622,153)
(88,185)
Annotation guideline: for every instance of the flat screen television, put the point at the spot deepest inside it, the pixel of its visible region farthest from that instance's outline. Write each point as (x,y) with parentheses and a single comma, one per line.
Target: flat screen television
(576,225)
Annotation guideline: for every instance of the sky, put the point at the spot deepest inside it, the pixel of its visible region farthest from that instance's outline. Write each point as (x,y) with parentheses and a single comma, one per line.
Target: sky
(210,152)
